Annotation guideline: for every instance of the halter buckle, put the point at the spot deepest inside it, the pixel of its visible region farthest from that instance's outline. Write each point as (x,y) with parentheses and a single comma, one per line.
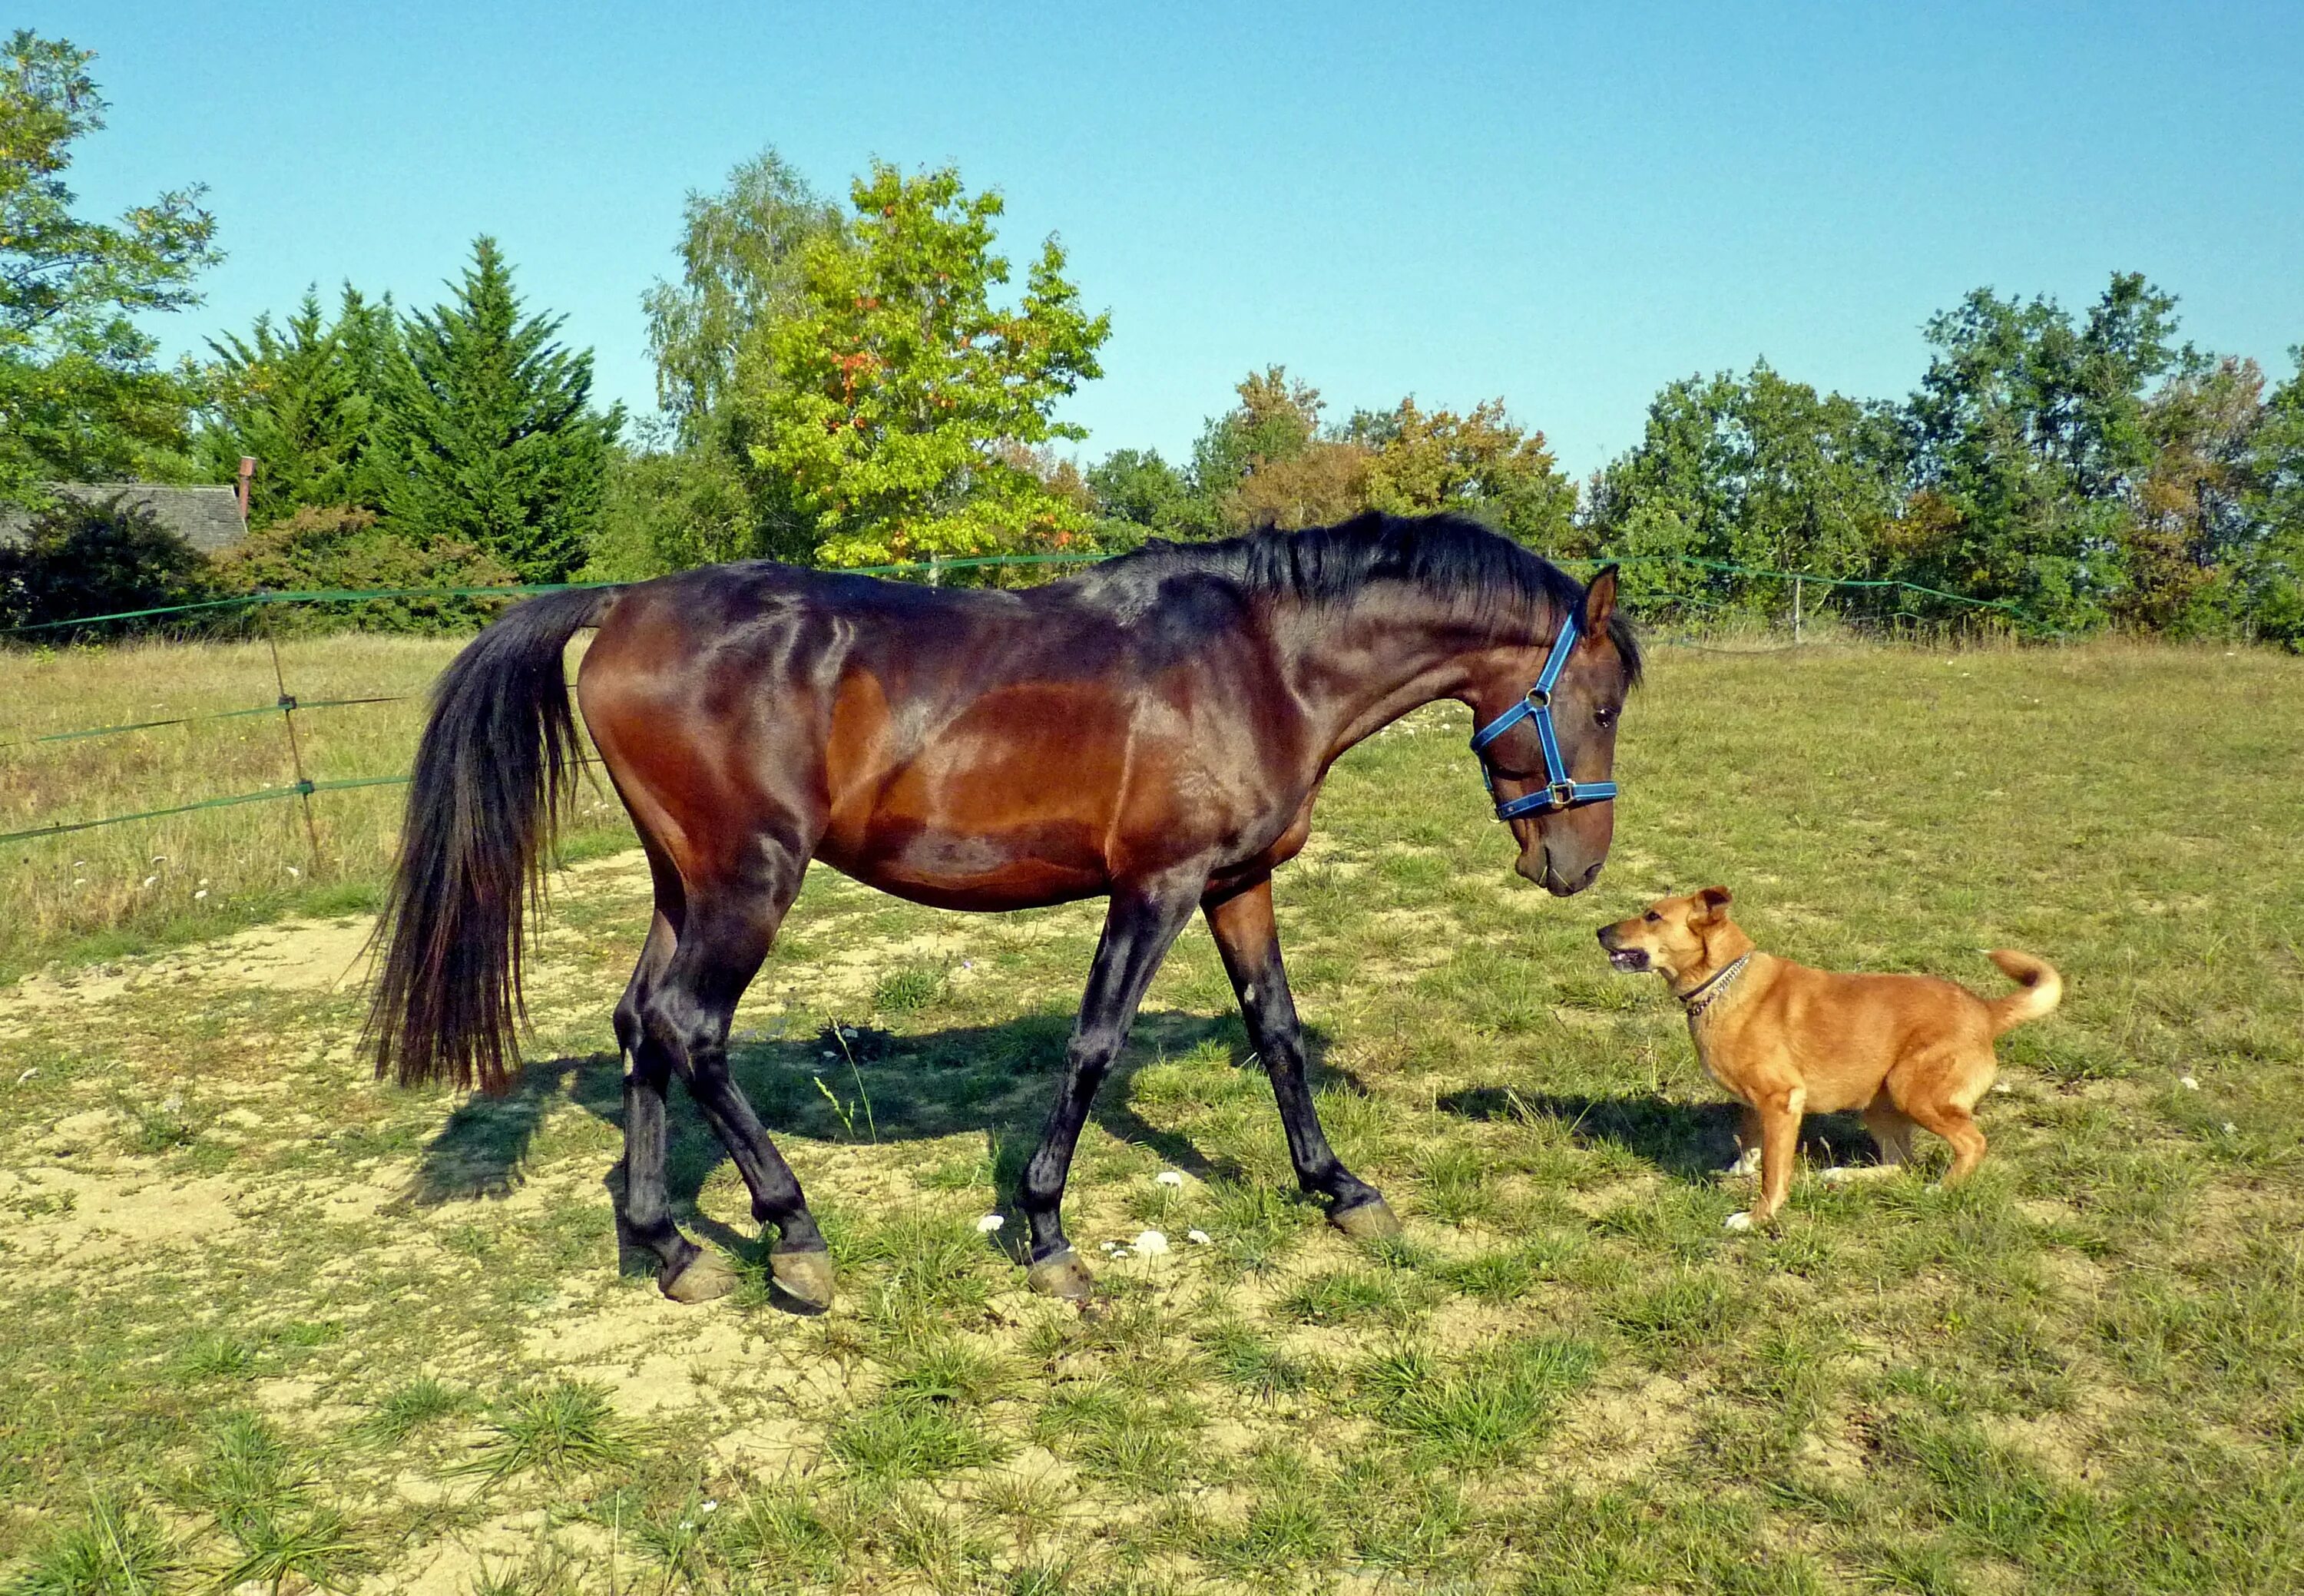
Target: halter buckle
(1563,793)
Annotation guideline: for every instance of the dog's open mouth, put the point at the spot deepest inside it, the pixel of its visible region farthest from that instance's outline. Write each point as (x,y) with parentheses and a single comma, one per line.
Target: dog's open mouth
(1627,958)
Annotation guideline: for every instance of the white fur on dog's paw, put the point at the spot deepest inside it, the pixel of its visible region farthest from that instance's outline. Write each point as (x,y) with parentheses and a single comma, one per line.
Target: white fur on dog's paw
(1747,1162)
(1839,1174)
(1739,1222)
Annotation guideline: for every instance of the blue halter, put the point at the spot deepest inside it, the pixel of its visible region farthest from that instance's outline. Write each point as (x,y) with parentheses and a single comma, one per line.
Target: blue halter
(1560,790)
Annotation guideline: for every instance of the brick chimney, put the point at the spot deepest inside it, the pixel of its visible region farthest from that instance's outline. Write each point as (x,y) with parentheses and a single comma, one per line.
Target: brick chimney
(247,477)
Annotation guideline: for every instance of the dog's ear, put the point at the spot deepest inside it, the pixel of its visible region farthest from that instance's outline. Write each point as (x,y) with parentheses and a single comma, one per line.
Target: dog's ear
(1600,602)
(1712,903)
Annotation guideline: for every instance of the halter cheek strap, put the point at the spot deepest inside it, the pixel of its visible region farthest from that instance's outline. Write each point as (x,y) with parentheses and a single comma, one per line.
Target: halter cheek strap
(1560,790)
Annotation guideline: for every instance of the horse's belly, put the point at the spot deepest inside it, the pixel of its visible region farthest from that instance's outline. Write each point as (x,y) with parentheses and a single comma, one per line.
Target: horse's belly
(1013,867)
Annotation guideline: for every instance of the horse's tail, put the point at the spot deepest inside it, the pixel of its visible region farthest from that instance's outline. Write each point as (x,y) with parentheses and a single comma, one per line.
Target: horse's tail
(494,774)
(2044,988)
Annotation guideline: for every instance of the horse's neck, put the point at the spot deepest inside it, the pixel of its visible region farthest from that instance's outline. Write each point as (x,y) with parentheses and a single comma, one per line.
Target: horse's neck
(1360,669)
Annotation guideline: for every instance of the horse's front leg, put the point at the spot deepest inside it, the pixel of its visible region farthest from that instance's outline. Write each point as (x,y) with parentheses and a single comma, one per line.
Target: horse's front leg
(1138,928)
(1249,938)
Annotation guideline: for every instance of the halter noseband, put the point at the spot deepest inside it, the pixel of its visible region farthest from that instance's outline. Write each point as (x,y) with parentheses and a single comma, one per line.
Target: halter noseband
(1560,790)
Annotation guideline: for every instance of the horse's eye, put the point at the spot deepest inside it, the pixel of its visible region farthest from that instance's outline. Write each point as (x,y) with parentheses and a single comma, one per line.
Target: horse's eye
(1605,718)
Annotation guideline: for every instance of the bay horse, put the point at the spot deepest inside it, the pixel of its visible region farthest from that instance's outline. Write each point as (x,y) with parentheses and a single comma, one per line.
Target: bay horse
(1154,730)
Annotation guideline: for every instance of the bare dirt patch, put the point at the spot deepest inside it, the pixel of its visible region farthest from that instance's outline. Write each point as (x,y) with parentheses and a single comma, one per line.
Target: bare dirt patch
(68,1218)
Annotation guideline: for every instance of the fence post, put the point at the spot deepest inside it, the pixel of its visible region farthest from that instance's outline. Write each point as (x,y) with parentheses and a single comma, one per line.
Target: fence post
(1796,610)
(295,752)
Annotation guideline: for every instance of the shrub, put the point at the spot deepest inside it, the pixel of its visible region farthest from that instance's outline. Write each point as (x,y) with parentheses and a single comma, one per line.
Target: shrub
(98,557)
(339,547)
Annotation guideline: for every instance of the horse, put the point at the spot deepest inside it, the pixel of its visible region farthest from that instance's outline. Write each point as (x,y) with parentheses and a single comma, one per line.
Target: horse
(1154,730)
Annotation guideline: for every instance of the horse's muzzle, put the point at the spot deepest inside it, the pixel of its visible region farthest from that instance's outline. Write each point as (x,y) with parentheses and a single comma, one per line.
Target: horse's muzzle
(1539,866)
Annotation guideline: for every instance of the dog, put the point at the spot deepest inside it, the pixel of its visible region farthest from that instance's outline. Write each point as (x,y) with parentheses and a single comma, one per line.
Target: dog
(1789,1040)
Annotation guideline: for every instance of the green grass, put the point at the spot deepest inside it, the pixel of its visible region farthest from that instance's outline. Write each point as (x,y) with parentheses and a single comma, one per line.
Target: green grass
(120,891)
(565,1427)
(110,1549)
(271,1324)
(409,1408)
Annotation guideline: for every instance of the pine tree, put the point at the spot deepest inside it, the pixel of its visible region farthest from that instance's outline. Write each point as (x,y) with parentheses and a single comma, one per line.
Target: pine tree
(288,396)
(494,439)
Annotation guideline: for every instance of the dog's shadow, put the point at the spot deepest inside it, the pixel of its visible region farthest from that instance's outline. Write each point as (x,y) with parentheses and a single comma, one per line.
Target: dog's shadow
(1686,1141)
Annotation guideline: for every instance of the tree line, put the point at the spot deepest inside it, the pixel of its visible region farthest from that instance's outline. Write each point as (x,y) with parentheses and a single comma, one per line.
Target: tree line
(862,382)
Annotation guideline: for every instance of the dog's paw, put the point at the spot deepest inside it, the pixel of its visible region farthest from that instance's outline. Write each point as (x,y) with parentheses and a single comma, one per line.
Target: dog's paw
(1738,1221)
(1747,1162)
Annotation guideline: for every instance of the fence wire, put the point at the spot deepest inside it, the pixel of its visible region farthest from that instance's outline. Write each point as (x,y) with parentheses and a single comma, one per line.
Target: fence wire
(305,788)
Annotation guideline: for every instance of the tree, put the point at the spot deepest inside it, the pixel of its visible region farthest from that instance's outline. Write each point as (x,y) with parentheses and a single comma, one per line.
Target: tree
(2189,526)
(1758,471)
(740,255)
(2270,573)
(1276,421)
(79,397)
(2031,431)
(303,400)
(1137,487)
(668,509)
(494,443)
(887,408)
(1481,464)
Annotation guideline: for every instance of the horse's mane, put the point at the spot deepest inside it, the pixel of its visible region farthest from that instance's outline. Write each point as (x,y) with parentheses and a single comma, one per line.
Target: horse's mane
(1479,573)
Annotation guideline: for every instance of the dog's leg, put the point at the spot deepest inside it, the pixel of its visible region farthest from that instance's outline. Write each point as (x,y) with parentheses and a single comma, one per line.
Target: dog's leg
(1748,1143)
(1892,1128)
(1780,1109)
(1955,1125)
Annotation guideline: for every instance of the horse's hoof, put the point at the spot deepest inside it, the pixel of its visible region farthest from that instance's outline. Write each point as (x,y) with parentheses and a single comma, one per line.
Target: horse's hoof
(1061,1275)
(1369,1221)
(703,1277)
(806,1278)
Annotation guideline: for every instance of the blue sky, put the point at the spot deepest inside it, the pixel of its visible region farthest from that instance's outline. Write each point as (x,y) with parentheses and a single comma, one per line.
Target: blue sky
(1566,206)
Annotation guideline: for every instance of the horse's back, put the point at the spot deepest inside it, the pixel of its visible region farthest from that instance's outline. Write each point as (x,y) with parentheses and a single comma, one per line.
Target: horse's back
(972,747)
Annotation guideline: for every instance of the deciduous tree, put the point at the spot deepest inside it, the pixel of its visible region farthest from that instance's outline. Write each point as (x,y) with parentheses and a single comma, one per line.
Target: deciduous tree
(888,407)
(81,397)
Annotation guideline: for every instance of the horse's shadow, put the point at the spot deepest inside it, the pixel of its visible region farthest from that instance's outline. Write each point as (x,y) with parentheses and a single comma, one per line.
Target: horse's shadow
(1686,1141)
(852,1086)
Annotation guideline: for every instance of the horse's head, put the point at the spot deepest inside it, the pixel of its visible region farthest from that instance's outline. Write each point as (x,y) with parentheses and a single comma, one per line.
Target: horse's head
(1564,830)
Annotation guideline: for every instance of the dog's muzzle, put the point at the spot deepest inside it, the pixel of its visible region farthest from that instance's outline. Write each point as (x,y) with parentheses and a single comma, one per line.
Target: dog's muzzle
(1628,959)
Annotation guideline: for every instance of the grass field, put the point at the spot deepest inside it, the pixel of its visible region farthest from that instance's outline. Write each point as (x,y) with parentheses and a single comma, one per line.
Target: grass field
(270,1324)
(123,889)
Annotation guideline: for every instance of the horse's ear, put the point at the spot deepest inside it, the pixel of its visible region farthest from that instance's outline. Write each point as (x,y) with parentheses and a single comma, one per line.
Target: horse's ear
(1600,602)
(1713,902)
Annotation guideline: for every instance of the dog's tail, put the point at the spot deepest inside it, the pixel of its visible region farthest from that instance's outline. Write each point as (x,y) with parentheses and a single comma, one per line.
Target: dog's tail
(2044,988)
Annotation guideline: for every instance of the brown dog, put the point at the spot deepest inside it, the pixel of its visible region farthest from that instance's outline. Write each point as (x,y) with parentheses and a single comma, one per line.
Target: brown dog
(1789,1040)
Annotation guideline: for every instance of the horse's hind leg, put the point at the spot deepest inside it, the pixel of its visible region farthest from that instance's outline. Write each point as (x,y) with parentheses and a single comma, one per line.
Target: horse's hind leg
(685,1272)
(685,1017)
(1139,926)
(1249,938)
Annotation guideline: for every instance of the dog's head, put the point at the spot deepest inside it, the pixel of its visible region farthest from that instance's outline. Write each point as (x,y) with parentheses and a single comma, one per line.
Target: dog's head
(1672,937)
